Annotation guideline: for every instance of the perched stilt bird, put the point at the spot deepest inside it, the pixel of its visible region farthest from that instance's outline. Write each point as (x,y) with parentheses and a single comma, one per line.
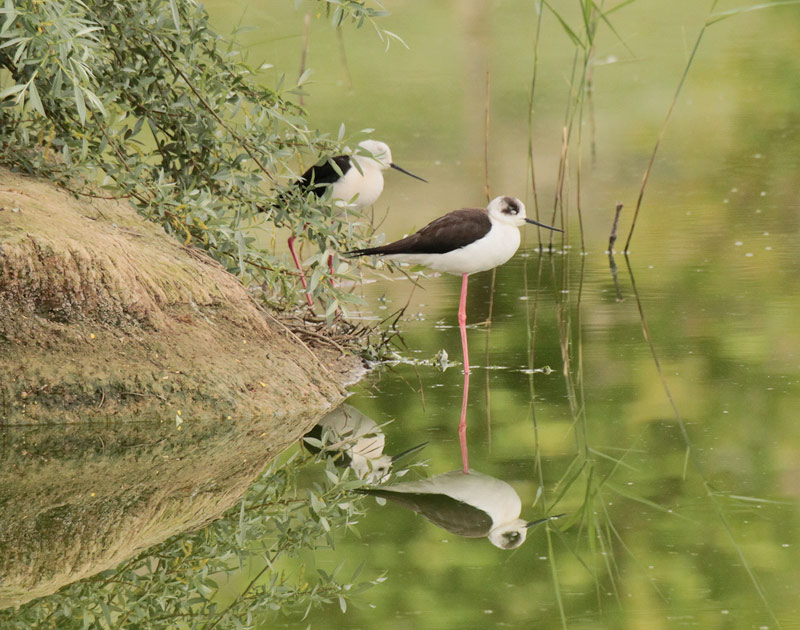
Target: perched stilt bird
(356,181)
(463,242)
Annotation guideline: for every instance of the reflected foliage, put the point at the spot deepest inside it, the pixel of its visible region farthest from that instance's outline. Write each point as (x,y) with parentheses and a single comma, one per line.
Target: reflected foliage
(186,581)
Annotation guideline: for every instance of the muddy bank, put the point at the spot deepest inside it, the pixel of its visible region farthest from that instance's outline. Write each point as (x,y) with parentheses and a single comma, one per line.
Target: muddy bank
(102,312)
(169,388)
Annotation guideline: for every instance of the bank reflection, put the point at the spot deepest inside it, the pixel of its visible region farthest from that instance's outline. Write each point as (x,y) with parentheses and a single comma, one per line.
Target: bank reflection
(353,439)
(78,499)
(472,505)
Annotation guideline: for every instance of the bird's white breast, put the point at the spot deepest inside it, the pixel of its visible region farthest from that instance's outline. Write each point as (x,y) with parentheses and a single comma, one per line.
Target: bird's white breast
(367,185)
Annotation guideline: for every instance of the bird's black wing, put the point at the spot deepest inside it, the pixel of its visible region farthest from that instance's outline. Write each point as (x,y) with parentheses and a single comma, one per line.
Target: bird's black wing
(320,176)
(317,179)
(452,231)
(448,513)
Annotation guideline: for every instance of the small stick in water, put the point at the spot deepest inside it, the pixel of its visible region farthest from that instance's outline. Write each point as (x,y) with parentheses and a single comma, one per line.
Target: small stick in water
(613,237)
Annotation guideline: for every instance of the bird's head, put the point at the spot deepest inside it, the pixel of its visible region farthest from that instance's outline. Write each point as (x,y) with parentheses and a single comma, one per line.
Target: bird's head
(512,535)
(508,210)
(511,211)
(378,151)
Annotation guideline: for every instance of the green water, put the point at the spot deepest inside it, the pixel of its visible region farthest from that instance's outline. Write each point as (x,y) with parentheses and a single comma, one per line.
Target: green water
(677,461)
(658,413)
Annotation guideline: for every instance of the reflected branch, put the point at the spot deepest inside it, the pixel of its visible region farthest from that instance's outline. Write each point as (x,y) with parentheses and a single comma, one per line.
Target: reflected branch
(530,330)
(660,371)
(612,238)
(613,266)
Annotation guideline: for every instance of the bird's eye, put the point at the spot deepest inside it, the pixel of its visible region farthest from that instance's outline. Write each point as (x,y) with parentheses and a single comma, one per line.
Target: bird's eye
(510,206)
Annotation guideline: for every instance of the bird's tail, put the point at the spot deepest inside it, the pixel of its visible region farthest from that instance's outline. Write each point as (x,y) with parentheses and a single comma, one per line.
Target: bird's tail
(363,252)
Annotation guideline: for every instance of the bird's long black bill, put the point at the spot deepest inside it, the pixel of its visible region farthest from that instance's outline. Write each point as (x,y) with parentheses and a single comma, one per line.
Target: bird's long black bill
(549,227)
(542,520)
(408,452)
(402,170)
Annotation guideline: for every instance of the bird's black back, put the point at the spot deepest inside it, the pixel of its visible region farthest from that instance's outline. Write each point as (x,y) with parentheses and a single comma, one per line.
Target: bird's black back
(317,180)
(320,176)
(452,231)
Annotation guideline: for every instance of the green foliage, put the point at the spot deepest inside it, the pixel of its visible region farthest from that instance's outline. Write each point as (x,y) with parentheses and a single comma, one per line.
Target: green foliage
(185,581)
(143,100)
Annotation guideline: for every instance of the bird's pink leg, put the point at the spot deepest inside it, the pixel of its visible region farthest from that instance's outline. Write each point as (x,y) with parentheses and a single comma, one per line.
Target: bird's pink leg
(462,324)
(330,268)
(300,269)
(462,321)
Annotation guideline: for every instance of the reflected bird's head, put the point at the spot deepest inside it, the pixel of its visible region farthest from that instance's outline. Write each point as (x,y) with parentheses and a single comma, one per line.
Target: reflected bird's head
(512,535)
(376,471)
(509,535)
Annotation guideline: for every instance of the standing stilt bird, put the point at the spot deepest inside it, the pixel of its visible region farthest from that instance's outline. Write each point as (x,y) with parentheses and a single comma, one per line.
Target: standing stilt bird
(463,242)
(356,181)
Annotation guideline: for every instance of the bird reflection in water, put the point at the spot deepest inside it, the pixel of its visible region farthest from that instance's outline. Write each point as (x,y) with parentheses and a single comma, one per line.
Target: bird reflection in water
(473,505)
(355,440)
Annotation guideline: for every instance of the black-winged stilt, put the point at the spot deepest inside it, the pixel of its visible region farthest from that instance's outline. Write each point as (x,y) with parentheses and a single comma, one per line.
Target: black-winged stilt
(463,242)
(354,440)
(472,505)
(356,181)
